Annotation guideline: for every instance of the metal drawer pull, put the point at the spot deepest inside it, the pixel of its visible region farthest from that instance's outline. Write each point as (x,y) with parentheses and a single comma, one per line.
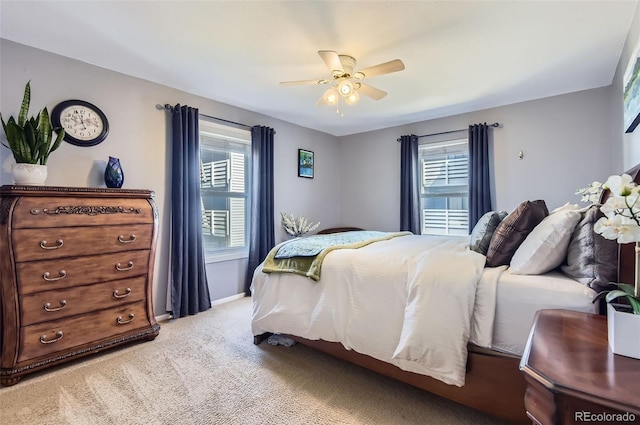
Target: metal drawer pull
(124,322)
(121,239)
(44,340)
(127,292)
(47,306)
(59,243)
(61,275)
(124,269)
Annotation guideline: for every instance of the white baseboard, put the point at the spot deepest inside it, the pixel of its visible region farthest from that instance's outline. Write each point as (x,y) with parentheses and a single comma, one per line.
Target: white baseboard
(163,317)
(227,299)
(168,316)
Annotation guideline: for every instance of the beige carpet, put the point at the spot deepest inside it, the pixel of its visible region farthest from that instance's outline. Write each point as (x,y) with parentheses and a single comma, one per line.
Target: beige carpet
(205,369)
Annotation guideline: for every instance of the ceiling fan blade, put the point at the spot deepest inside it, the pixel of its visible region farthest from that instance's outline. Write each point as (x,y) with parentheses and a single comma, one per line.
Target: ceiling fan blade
(331,59)
(303,82)
(383,68)
(322,101)
(371,92)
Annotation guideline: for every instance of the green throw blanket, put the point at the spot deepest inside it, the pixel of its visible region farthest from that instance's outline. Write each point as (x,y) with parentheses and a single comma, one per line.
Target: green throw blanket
(304,255)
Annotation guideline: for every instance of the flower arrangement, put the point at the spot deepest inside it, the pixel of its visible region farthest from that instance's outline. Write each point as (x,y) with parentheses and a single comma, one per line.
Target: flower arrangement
(621,222)
(297,226)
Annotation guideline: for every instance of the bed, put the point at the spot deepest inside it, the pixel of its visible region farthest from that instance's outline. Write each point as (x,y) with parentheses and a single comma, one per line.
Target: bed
(429,311)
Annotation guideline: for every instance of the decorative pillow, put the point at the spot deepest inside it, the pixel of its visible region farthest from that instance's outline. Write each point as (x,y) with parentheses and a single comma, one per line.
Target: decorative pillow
(591,259)
(513,230)
(483,230)
(545,248)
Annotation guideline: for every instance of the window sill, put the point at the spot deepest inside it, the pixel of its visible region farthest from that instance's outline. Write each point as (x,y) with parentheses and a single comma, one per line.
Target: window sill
(225,256)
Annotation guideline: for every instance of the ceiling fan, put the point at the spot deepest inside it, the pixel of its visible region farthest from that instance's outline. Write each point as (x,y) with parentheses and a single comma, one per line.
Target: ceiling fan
(345,83)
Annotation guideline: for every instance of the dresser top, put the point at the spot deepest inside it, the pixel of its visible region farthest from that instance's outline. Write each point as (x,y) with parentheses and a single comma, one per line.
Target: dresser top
(67,191)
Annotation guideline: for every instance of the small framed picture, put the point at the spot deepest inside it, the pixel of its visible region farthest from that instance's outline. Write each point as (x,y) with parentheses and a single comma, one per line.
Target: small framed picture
(631,92)
(305,163)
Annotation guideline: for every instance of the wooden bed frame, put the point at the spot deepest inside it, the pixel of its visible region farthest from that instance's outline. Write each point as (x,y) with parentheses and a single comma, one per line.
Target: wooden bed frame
(494,383)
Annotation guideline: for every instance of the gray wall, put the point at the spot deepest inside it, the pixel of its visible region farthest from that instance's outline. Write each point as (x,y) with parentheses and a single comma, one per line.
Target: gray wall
(565,139)
(139,135)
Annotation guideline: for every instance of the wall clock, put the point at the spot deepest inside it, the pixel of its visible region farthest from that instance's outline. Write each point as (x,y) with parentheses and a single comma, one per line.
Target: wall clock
(84,123)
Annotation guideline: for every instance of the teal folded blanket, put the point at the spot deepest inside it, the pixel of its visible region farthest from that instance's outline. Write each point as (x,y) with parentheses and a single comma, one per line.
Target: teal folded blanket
(304,256)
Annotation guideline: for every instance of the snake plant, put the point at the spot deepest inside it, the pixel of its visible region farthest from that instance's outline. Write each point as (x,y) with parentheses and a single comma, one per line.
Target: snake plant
(30,139)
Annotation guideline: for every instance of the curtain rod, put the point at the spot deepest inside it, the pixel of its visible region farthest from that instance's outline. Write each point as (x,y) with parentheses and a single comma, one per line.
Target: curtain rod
(495,124)
(170,108)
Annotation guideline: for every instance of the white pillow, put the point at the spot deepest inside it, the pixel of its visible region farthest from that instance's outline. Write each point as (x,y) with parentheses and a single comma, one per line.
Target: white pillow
(545,248)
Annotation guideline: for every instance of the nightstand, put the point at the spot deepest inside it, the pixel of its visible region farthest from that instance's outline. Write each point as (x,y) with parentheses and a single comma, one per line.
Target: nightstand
(572,375)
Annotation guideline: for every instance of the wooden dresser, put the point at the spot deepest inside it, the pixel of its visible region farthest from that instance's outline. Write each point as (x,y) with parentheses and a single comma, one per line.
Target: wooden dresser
(76,269)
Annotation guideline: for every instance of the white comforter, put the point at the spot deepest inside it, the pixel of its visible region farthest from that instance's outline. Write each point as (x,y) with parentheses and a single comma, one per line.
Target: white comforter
(413,301)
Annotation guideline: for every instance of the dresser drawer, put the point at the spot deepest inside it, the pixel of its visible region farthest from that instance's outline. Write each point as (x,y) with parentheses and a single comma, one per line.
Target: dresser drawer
(42,244)
(63,273)
(54,211)
(57,304)
(46,338)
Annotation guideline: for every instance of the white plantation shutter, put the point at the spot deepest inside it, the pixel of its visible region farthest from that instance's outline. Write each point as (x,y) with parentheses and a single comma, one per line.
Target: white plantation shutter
(237,205)
(444,222)
(237,225)
(214,174)
(237,172)
(444,191)
(206,175)
(444,171)
(220,219)
(207,222)
(225,154)
(220,173)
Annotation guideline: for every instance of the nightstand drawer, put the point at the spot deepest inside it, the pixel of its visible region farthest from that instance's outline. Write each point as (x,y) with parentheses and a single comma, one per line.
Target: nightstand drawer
(58,304)
(49,243)
(47,275)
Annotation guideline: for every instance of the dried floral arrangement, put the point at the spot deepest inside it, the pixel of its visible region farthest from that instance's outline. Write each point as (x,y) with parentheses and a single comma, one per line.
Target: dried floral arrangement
(297,226)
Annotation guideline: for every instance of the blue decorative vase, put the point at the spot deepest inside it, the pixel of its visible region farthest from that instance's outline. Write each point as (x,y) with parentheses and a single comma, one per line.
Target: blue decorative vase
(113,174)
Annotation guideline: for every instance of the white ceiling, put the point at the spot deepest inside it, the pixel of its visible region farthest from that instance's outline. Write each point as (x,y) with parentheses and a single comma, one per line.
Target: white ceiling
(460,56)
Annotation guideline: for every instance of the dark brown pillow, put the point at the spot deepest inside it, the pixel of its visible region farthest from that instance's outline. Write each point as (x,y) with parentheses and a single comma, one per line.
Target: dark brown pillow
(591,259)
(512,231)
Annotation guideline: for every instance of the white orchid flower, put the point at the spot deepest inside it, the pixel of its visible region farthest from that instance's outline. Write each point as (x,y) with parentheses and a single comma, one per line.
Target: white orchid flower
(622,223)
(614,205)
(623,229)
(620,185)
(591,193)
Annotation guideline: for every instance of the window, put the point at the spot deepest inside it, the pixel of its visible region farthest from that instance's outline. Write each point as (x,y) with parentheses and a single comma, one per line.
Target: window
(444,188)
(225,153)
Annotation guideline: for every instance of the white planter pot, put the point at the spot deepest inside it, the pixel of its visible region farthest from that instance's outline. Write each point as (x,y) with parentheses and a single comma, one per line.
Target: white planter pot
(624,332)
(29,174)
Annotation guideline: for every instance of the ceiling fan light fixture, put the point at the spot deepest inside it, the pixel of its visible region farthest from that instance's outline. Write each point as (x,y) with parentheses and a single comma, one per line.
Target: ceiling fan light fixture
(345,83)
(353,98)
(345,87)
(331,96)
